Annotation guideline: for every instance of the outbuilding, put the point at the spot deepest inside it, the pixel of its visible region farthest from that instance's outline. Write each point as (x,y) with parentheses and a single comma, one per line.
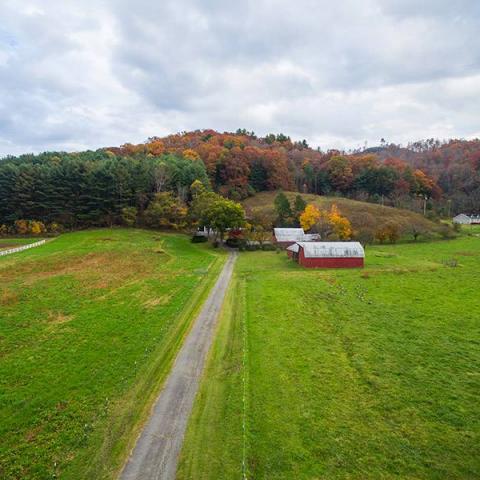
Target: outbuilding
(328,254)
(292,251)
(284,237)
(462,219)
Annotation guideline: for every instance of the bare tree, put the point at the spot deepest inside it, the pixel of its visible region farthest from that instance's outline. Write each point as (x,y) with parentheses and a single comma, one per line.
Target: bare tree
(160,177)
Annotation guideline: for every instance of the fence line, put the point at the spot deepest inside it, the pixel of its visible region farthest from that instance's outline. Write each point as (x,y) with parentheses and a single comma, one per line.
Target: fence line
(20,249)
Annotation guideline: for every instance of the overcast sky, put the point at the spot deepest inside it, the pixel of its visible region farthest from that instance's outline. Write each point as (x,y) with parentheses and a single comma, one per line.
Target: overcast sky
(77,74)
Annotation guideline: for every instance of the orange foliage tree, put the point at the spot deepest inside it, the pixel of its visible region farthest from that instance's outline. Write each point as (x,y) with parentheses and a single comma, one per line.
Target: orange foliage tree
(341,225)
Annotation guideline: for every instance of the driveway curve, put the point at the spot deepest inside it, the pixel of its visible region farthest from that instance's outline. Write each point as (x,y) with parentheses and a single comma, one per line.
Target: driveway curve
(156,452)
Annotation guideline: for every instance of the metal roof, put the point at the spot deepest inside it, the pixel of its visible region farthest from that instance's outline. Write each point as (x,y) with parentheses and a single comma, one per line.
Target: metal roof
(289,234)
(332,249)
(293,247)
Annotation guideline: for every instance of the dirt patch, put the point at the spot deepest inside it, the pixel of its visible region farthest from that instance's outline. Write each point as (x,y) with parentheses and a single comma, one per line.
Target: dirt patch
(31,434)
(57,318)
(95,270)
(7,297)
(466,254)
(154,302)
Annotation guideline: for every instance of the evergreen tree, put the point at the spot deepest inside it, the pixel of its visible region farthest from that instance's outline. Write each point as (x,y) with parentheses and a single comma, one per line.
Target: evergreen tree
(282,208)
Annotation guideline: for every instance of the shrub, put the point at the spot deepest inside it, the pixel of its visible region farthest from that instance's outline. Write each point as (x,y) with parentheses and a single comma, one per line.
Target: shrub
(365,236)
(390,232)
(129,216)
(3,230)
(37,228)
(268,247)
(21,227)
(447,232)
(199,239)
(55,228)
(235,242)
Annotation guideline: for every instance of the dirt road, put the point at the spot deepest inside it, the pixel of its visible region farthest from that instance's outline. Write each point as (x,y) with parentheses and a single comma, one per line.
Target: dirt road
(156,453)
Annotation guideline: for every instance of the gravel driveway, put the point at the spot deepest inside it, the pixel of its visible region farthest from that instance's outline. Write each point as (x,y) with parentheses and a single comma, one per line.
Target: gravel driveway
(156,453)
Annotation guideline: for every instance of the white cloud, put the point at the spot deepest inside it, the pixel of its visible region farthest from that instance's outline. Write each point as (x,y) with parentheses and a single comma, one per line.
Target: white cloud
(77,75)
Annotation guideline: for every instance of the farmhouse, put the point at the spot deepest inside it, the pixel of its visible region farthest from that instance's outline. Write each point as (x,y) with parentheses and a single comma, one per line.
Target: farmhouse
(327,254)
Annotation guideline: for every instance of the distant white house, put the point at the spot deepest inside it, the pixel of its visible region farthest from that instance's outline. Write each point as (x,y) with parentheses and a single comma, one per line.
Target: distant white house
(464,219)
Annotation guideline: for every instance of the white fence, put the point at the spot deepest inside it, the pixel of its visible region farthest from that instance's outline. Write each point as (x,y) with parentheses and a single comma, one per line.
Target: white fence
(22,248)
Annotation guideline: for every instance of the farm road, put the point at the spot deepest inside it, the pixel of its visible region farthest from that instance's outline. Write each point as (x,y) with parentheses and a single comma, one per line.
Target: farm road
(156,453)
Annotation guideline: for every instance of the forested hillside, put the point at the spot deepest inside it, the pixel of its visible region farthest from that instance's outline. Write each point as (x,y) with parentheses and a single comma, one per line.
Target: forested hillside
(454,165)
(95,187)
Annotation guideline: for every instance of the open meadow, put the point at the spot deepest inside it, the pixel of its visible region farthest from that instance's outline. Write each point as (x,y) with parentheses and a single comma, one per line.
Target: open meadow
(89,326)
(358,374)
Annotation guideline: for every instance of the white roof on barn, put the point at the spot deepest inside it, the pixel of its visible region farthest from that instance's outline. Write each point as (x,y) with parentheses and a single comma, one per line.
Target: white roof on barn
(289,234)
(332,249)
(293,247)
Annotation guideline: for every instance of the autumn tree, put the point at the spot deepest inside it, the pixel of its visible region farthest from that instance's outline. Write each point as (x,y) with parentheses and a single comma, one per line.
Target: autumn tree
(310,216)
(165,211)
(341,225)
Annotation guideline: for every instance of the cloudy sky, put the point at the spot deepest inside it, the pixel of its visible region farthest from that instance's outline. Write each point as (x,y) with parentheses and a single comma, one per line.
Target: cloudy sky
(91,73)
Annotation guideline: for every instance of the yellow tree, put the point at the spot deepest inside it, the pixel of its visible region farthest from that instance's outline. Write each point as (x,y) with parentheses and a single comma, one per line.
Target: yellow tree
(341,225)
(310,216)
(191,154)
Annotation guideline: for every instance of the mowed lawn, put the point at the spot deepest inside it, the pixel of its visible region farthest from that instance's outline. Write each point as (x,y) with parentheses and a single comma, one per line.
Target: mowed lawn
(353,374)
(89,325)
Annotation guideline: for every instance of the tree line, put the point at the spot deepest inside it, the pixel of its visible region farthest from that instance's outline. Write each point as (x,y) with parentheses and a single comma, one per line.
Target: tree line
(108,186)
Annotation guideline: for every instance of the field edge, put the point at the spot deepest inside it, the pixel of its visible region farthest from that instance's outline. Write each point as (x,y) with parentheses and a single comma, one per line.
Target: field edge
(133,412)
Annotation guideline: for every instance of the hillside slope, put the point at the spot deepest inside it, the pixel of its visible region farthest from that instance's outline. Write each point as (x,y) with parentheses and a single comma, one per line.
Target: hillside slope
(360,214)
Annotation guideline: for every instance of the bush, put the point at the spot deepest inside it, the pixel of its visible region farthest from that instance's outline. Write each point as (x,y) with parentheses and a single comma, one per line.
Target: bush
(29,227)
(235,242)
(252,248)
(365,236)
(199,239)
(446,232)
(129,216)
(390,232)
(268,247)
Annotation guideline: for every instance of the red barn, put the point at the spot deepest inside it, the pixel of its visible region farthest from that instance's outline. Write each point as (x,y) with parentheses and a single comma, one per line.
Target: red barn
(328,254)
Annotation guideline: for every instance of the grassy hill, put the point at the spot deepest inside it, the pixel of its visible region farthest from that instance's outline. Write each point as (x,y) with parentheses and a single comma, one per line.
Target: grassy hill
(360,214)
(90,324)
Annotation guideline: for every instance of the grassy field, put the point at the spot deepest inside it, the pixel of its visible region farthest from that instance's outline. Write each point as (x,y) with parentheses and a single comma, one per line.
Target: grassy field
(360,214)
(89,326)
(354,374)
(6,243)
